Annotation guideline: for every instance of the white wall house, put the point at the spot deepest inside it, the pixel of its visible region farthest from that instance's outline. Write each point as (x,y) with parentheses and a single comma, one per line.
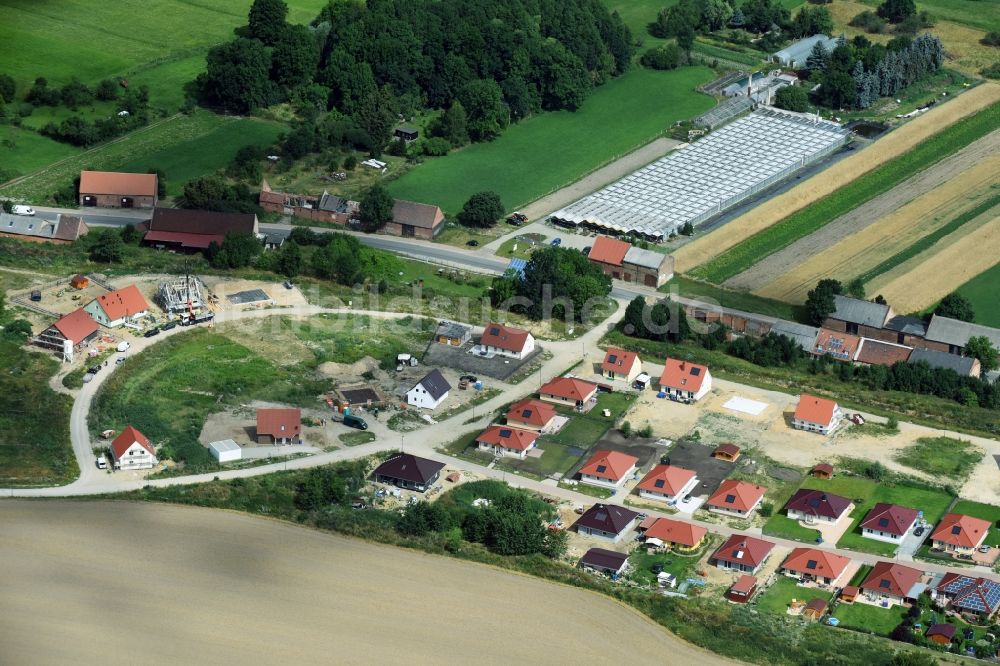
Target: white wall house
(132,450)
(507,341)
(683,380)
(430,391)
(817,415)
(118,307)
(664,494)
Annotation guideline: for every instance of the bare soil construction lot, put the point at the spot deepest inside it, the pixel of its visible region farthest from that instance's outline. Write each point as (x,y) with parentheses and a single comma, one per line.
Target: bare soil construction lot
(826,182)
(942,184)
(214,587)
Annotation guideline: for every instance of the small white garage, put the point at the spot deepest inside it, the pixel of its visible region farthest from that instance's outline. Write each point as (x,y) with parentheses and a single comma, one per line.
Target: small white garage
(225,450)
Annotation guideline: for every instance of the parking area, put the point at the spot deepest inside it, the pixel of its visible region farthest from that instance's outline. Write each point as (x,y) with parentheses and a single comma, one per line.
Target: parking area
(697,457)
(464,361)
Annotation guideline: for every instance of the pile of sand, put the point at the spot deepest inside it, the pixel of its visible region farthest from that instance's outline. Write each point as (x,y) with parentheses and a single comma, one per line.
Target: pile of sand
(344,370)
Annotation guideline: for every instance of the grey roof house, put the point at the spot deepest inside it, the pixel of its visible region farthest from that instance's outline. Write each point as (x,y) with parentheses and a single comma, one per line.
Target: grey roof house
(956,333)
(860,312)
(963,365)
(408,471)
(65,229)
(430,391)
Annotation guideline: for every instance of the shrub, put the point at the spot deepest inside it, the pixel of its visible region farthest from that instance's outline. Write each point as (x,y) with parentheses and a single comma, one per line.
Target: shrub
(869,22)
(664,57)
(766,509)
(991,38)
(626,429)
(436,146)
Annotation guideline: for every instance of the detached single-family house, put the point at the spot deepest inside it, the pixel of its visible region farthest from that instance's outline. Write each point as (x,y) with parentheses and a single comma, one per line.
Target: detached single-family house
(114,189)
(452,334)
(816,414)
(667,483)
(281,425)
(940,633)
(817,506)
(888,522)
(430,391)
(606,521)
(408,471)
(813,564)
(414,220)
(568,391)
(531,414)
(621,365)
(736,498)
(78,328)
(507,441)
(967,594)
(959,533)
(892,582)
(742,553)
(63,231)
(608,469)
(132,450)
(507,341)
(683,380)
(677,533)
(605,561)
(407,134)
(122,306)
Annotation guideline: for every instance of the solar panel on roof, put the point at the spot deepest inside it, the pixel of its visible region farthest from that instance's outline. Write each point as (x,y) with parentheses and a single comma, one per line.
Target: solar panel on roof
(600,515)
(883,522)
(526,413)
(884,584)
(811,564)
(659,483)
(612,358)
(956,529)
(602,468)
(506,432)
(695,372)
(730,499)
(494,331)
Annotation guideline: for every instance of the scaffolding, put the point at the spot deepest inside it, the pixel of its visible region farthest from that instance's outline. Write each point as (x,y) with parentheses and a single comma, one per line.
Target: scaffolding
(180,295)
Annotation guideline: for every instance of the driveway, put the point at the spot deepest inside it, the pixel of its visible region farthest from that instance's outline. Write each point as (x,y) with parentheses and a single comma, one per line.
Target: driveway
(910,543)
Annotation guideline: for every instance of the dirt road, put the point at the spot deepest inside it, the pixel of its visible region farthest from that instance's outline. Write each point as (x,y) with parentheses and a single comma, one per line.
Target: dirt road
(130,583)
(984,154)
(892,145)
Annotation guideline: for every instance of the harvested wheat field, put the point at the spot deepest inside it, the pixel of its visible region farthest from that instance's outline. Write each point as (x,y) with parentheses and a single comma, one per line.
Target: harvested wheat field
(931,275)
(847,253)
(134,583)
(828,181)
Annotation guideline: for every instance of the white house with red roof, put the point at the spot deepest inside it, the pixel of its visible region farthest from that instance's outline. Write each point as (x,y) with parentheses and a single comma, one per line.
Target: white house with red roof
(667,483)
(118,307)
(892,583)
(816,414)
(608,469)
(814,564)
(685,381)
(568,391)
(531,414)
(621,365)
(503,340)
(505,441)
(279,425)
(888,522)
(736,498)
(742,553)
(959,533)
(132,450)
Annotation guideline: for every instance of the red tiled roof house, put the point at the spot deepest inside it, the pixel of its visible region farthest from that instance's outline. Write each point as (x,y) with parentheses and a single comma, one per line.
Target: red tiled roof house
(568,391)
(891,582)
(970,594)
(813,564)
(78,328)
(118,307)
(667,483)
(736,498)
(622,261)
(531,414)
(621,365)
(507,341)
(677,533)
(507,441)
(816,414)
(279,425)
(959,533)
(683,380)
(113,189)
(888,522)
(608,469)
(132,450)
(817,506)
(742,553)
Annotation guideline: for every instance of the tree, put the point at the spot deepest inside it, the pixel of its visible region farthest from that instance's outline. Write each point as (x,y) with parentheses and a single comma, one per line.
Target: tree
(266,20)
(991,38)
(668,56)
(161,181)
(294,57)
(376,208)
(503,290)
(108,247)
(76,94)
(236,77)
(374,115)
(7,88)
(979,346)
(837,90)
(792,98)
(7,206)
(856,288)
(455,125)
(130,235)
(289,261)
(633,322)
(687,229)
(19,328)
(106,90)
(560,282)
(913,658)
(487,114)
(483,209)
(896,11)
(817,59)
(955,306)
(685,38)
(423,517)
(237,251)
(820,301)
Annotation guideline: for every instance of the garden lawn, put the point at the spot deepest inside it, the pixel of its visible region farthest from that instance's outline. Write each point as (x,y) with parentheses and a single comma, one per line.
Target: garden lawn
(865,617)
(783,527)
(776,598)
(982,293)
(585,430)
(849,197)
(984,511)
(551,150)
(680,566)
(941,457)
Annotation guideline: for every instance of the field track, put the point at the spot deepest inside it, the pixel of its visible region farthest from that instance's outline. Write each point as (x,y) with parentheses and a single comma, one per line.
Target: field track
(934,274)
(830,180)
(949,174)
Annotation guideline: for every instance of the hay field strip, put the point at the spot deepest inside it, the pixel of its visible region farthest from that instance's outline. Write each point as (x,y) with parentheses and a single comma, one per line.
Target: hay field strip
(931,275)
(888,242)
(847,170)
(852,194)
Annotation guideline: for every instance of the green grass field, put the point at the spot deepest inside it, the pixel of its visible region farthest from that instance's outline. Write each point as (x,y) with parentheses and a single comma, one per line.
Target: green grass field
(781,526)
(23,151)
(776,598)
(982,14)
(849,197)
(637,14)
(870,618)
(941,457)
(551,150)
(982,293)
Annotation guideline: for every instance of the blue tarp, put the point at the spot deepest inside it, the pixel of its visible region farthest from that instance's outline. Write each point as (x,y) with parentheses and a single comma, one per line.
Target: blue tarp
(517,265)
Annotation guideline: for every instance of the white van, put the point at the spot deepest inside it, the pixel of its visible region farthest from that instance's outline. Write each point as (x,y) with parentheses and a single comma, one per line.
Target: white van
(102,462)
(24,210)
(123,346)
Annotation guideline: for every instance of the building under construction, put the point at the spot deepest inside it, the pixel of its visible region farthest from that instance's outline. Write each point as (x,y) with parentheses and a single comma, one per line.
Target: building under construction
(180,295)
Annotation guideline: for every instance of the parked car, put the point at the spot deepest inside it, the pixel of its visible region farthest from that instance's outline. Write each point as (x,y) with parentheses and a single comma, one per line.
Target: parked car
(468,378)
(586,250)
(24,210)
(102,462)
(985,548)
(123,346)
(556,242)
(168,326)
(472,243)
(288,284)
(151,332)
(517,219)
(858,419)
(919,531)
(119,360)
(656,568)
(36,295)
(352,421)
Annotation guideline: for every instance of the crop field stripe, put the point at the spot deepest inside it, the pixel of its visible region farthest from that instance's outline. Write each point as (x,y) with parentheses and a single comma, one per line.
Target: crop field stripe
(726,54)
(849,197)
(929,240)
(982,293)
